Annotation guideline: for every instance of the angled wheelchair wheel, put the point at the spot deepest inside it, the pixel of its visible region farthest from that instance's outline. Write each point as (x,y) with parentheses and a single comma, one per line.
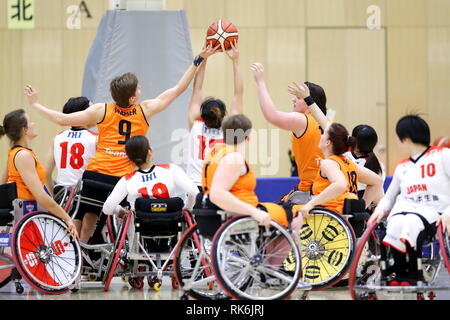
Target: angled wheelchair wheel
(119,244)
(444,247)
(188,265)
(327,246)
(365,273)
(6,269)
(45,254)
(248,260)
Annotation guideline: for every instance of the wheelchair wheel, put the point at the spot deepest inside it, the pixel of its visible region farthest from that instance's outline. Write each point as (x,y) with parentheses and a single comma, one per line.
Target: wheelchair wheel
(248,260)
(186,257)
(6,273)
(327,245)
(366,270)
(45,255)
(444,246)
(117,252)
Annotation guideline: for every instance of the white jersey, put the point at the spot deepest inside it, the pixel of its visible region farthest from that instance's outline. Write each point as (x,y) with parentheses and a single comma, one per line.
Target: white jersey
(201,140)
(421,185)
(361,161)
(72,150)
(160,181)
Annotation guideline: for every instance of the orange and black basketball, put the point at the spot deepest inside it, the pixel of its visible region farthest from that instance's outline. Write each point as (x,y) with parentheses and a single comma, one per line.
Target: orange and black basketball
(222,33)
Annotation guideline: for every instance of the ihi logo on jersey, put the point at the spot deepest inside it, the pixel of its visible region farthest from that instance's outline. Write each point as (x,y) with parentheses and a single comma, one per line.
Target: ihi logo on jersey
(158,207)
(5,240)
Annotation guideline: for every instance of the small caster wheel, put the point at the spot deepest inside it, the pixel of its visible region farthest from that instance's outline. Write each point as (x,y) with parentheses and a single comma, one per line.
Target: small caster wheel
(184,297)
(175,284)
(420,297)
(431,295)
(19,288)
(304,295)
(92,277)
(136,283)
(154,283)
(372,297)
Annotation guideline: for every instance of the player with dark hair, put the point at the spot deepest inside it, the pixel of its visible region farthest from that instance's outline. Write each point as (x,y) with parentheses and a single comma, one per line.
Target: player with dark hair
(417,198)
(338,176)
(205,117)
(24,168)
(305,129)
(116,123)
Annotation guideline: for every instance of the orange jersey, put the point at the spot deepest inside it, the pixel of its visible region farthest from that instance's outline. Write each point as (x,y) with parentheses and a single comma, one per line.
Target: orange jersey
(306,152)
(14,176)
(244,187)
(348,168)
(117,126)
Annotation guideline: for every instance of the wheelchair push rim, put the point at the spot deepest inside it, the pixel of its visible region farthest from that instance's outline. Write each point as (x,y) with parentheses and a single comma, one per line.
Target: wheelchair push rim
(117,251)
(190,240)
(327,246)
(444,247)
(6,272)
(45,254)
(240,257)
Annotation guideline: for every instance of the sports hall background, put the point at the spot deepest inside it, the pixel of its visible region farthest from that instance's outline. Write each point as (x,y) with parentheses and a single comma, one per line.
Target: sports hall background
(370,76)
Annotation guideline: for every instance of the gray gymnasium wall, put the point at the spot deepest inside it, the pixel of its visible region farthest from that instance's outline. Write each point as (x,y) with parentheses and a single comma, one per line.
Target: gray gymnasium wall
(154,45)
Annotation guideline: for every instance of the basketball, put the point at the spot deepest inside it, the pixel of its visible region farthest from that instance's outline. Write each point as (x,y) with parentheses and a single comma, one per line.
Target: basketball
(222,32)
(442,142)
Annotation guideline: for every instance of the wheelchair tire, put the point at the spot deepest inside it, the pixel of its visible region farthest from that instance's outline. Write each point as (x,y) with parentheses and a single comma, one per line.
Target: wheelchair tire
(45,255)
(186,255)
(328,246)
(5,274)
(444,246)
(359,268)
(117,250)
(240,259)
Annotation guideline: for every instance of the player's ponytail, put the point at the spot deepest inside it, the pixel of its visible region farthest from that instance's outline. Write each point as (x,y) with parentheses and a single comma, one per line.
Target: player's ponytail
(373,164)
(212,112)
(137,149)
(2,131)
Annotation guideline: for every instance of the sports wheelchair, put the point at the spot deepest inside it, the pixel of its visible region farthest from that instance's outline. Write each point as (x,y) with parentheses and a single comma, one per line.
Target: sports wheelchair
(146,242)
(373,266)
(328,240)
(98,251)
(43,253)
(240,256)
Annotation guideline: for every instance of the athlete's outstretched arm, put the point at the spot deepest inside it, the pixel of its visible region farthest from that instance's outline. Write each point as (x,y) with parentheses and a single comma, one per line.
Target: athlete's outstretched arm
(291,121)
(330,170)
(196,98)
(85,118)
(237,104)
(301,91)
(154,106)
